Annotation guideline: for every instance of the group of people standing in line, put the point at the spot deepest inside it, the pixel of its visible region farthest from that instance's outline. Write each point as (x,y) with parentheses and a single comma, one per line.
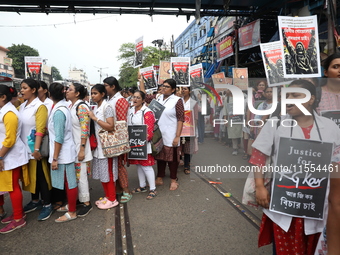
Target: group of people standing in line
(62,113)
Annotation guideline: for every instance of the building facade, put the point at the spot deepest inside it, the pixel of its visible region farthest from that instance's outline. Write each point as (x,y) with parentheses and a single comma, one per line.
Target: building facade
(196,41)
(6,69)
(78,75)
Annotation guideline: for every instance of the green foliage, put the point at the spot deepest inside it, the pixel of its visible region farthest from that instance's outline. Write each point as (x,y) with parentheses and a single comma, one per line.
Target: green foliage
(151,56)
(56,76)
(18,53)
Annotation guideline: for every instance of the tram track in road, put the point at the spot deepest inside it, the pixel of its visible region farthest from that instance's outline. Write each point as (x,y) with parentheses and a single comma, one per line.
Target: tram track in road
(123,237)
(234,202)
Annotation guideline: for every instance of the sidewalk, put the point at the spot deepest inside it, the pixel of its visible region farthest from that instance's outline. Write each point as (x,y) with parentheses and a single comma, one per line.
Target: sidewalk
(194,219)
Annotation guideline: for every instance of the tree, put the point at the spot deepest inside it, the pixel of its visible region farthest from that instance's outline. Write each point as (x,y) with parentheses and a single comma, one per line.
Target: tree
(18,53)
(56,76)
(127,72)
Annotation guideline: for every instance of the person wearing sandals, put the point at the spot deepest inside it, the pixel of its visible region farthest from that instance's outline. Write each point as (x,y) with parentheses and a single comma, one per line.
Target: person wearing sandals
(103,169)
(190,144)
(13,155)
(81,130)
(139,114)
(34,115)
(62,150)
(170,124)
(120,110)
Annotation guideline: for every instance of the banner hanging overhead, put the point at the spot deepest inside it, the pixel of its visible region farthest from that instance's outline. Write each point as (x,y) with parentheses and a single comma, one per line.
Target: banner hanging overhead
(33,68)
(224,27)
(249,35)
(273,65)
(139,52)
(180,70)
(225,48)
(300,46)
(196,75)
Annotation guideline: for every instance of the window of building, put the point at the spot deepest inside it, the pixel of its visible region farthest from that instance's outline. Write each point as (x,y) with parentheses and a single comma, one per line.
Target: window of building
(203,31)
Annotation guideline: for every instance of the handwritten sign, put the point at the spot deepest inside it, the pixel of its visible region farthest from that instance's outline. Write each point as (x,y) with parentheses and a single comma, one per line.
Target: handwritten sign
(157,108)
(333,115)
(299,187)
(138,142)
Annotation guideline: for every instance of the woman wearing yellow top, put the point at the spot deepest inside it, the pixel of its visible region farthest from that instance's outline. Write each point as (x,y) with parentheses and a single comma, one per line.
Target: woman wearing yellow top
(34,116)
(12,157)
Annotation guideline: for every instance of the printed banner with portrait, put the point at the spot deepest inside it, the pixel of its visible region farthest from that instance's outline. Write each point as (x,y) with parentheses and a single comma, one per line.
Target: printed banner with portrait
(149,77)
(249,35)
(139,52)
(300,46)
(180,70)
(33,68)
(196,75)
(273,65)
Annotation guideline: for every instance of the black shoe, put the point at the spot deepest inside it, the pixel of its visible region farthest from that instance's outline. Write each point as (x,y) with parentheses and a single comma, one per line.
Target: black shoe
(84,210)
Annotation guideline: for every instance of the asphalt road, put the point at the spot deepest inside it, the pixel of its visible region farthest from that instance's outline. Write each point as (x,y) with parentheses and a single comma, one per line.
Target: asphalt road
(194,219)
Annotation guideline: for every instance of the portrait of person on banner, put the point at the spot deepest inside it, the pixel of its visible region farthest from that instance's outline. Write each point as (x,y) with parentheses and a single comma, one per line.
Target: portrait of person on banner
(181,75)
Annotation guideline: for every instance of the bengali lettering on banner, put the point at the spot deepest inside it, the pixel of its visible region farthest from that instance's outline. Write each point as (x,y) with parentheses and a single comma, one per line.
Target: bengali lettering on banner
(180,70)
(139,52)
(33,67)
(273,65)
(149,77)
(249,35)
(300,46)
(299,188)
(138,142)
(164,71)
(225,48)
(196,75)
(188,125)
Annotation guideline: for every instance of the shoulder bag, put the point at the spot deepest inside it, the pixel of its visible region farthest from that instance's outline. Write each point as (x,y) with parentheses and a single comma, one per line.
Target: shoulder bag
(115,143)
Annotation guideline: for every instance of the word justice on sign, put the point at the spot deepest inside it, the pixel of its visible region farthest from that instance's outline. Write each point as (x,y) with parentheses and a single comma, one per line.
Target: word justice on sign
(239,104)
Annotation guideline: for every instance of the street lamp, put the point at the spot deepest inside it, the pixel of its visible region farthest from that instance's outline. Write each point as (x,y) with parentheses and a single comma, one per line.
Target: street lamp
(158,42)
(100,72)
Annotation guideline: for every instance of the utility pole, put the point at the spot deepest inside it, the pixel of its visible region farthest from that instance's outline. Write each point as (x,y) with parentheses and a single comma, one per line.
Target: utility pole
(100,72)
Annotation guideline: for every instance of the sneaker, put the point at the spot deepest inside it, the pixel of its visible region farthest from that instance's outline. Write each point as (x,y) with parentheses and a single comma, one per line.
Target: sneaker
(108,204)
(234,153)
(32,206)
(13,225)
(45,212)
(84,210)
(10,218)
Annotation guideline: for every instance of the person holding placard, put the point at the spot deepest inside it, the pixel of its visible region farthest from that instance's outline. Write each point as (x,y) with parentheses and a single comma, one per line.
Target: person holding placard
(291,234)
(170,124)
(190,144)
(139,114)
(330,101)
